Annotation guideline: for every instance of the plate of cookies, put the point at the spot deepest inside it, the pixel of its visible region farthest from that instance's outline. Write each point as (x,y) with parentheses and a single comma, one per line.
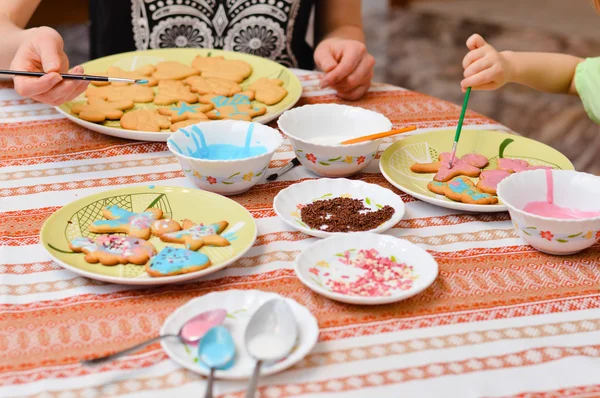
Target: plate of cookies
(418,165)
(148,235)
(184,87)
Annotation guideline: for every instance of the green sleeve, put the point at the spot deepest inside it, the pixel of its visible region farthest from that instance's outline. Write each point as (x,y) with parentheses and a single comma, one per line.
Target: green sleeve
(587,82)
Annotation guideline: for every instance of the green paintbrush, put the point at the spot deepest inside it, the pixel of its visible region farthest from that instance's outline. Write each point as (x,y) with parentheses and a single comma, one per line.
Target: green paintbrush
(459,127)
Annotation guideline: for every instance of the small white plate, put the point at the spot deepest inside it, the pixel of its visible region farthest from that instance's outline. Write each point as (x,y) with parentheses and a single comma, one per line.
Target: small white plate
(240,306)
(325,262)
(288,202)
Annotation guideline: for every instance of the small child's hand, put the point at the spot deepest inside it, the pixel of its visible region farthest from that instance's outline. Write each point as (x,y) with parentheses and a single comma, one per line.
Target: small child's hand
(348,67)
(42,51)
(485,68)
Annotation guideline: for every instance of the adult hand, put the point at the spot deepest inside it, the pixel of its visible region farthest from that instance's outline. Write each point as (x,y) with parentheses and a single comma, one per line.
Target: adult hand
(347,65)
(485,68)
(42,51)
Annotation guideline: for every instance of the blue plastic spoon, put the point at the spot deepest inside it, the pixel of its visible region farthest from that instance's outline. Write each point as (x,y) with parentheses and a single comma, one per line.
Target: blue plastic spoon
(216,350)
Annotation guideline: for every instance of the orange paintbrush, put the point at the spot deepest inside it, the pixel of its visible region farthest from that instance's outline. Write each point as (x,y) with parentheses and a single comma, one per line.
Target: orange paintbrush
(378,135)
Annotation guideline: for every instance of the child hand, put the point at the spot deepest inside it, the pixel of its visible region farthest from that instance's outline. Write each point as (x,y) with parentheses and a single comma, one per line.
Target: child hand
(347,65)
(485,68)
(42,51)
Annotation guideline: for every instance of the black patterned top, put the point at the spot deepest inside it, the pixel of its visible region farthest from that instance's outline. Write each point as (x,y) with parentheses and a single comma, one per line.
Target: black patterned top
(274,29)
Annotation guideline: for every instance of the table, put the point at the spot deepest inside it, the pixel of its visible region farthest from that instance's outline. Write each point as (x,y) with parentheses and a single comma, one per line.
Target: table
(501,319)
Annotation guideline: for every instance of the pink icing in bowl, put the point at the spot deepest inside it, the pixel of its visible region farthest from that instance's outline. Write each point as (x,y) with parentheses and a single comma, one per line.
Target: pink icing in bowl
(545,231)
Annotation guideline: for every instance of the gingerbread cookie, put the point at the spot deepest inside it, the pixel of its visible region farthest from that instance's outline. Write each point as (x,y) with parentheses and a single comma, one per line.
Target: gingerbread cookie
(160,227)
(268,91)
(171,70)
(233,70)
(489,180)
(469,165)
(97,109)
(213,85)
(174,261)
(144,72)
(114,249)
(145,120)
(120,220)
(195,236)
(238,107)
(462,189)
(173,91)
(185,111)
(134,92)
(518,165)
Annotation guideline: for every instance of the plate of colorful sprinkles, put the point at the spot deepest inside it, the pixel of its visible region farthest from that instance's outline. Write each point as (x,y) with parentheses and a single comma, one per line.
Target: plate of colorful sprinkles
(366,268)
(328,207)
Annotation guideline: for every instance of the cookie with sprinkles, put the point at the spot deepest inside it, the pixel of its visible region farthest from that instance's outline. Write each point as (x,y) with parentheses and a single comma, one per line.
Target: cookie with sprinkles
(195,236)
(175,261)
(118,220)
(113,249)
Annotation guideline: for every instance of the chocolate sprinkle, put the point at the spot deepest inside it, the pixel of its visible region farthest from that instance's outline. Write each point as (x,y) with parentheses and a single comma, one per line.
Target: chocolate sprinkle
(343,215)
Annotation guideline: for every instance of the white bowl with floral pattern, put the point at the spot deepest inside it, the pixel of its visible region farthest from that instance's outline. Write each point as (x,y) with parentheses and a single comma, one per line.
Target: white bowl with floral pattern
(316,131)
(366,268)
(225,177)
(289,202)
(573,190)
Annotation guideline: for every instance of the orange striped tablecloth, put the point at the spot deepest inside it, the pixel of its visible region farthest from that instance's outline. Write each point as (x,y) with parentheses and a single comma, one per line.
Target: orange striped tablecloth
(500,320)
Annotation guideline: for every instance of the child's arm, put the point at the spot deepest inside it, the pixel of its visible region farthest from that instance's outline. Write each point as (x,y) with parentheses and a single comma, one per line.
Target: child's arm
(341,52)
(488,69)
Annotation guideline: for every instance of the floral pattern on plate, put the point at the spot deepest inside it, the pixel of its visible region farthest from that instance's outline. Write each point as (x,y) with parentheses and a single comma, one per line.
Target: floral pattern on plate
(232,179)
(562,238)
(328,162)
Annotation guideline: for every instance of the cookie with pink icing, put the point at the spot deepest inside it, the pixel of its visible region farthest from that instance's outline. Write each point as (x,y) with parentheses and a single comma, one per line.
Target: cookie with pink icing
(195,236)
(118,220)
(518,165)
(489,180)
(462,189)
(113,249)
(469,165)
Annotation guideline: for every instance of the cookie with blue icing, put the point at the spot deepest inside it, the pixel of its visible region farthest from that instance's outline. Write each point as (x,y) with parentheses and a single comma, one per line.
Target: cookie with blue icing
(119,220)
(113,249)
(462,189)
(174,261)
(195,236)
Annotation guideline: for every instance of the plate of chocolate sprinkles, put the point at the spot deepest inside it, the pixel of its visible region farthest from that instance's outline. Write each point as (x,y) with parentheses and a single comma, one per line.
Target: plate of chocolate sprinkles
(328,207)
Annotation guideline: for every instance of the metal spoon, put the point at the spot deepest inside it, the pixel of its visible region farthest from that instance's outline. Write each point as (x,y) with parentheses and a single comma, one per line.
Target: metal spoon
(191,332)
(216,350)
(270,336)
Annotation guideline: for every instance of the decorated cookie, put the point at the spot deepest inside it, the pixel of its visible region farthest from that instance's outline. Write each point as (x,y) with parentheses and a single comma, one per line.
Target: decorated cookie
(160,227)
(233,70)
(120,220)
(113,249)
(145,120)
(238,107)
(171,70)
(518,165)
(489,180)
(213,85)
(135,92)
(97,110)
(173,91)
(195,236)
(174,261)
(145,72)
(469,165)
(185,111)
(268,91)
(462,189)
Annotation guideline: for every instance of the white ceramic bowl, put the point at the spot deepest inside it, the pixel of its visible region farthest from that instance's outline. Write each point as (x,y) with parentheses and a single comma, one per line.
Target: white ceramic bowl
(573,190)
(320,264)
(225,177)
(240,306)
(316,130)
(288,201)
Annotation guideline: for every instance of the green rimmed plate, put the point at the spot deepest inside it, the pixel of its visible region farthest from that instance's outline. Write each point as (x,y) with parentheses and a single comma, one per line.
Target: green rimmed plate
(261,67)
(199,206)
(425,147)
